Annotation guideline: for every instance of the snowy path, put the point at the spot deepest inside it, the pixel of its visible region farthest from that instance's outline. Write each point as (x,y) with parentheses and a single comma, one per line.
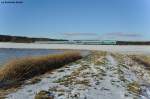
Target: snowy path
(89,78)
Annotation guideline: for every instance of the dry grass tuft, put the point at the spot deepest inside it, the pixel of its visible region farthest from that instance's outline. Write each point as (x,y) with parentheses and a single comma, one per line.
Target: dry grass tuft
(44,95)
(141,59)
(134,87)
(25,68)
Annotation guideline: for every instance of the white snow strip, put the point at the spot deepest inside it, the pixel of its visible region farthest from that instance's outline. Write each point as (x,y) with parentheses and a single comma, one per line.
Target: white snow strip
(93,69)
(112,48)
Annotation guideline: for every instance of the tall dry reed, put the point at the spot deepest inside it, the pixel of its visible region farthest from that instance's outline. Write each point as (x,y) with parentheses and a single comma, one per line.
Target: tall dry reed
(27,67)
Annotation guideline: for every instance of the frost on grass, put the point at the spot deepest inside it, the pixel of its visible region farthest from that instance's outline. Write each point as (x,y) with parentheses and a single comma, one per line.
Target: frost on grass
(101,74)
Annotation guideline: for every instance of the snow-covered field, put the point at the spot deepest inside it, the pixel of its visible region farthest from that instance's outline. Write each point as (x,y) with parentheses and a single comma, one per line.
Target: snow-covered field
(101,75)
(98,76)
(113,48)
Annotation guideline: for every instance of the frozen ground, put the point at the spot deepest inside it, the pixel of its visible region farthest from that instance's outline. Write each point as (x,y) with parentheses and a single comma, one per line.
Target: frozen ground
(111,75)
(101,75)
(113,48)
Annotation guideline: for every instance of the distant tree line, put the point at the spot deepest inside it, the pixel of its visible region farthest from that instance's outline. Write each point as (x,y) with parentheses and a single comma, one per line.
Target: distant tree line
(133,42)
(23,39)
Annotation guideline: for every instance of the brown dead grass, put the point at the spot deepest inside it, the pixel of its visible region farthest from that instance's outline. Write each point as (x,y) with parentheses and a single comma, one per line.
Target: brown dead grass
(25,68)
(141,59)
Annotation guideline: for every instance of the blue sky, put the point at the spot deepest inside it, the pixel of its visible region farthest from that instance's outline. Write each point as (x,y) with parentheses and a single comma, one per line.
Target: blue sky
(77,19)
